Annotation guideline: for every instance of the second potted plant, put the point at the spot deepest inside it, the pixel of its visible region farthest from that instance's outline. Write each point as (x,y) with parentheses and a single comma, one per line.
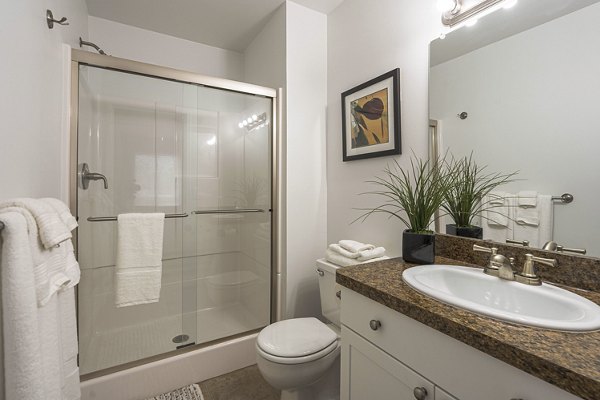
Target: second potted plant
(466,198)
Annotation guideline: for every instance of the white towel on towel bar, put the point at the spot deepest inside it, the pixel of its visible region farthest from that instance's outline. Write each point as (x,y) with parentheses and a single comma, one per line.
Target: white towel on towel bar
(38,308)
(138,270)
(52,230)
(527,198)
(526,228)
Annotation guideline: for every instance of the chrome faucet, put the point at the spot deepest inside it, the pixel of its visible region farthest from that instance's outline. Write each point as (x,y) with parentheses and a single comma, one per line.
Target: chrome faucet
(504,267)
(498,265)
(86,176)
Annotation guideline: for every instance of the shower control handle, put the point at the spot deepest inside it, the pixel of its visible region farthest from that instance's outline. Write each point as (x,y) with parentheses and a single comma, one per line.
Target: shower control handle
(86,176)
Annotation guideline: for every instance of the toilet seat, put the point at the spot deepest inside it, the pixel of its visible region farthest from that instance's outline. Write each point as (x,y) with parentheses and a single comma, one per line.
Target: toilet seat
(298,360)
(296,341)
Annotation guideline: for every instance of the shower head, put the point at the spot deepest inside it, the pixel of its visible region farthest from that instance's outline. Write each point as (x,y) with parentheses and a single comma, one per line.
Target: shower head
(90,44)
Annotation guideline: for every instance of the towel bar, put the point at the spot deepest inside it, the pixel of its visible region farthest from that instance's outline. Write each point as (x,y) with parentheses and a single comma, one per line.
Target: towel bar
(102,219)
(565,198)
(230,211)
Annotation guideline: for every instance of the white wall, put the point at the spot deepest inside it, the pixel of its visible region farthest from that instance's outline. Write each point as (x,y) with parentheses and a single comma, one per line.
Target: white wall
(138,44)
(364,41)
(31,94)
(306,55)
(265,65)
(291,53)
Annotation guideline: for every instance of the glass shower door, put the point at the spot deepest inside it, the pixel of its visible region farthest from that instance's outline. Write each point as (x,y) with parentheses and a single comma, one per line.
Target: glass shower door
(200,155)
(134,130)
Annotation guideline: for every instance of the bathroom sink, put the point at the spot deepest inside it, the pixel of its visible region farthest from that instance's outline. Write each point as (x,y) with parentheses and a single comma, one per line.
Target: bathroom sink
(544,306)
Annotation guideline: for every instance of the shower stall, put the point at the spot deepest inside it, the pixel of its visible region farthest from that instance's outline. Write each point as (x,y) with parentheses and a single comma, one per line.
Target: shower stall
(201,150)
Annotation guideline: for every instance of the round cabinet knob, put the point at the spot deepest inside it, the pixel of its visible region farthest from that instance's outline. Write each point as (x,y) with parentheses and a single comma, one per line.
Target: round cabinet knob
(420,393)
(375,324)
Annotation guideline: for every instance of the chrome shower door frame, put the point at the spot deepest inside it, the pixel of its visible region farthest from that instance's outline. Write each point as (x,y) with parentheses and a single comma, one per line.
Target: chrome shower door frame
(80,57)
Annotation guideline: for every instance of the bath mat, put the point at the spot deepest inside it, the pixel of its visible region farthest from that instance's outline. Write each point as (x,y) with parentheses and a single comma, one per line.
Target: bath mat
(191,392)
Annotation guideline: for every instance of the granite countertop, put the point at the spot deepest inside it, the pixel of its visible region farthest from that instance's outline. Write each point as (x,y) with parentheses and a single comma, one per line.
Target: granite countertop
(568,360)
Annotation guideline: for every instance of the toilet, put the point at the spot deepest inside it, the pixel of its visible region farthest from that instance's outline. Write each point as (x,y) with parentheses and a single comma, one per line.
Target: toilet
(301,356)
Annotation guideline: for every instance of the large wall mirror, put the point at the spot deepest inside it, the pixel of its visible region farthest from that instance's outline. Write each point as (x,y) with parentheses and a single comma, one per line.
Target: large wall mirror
(520,90)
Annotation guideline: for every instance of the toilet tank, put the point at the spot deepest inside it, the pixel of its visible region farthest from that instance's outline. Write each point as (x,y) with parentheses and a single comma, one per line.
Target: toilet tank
(330,303)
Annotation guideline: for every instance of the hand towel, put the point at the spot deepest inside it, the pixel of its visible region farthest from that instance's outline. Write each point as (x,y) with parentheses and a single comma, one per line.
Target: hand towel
(538,234)
(63,212)
(354,246)
(528,213)
(496,209)
(52,230)
(366,255)
(497,228)
(339,249)
(527,198)
(138,270)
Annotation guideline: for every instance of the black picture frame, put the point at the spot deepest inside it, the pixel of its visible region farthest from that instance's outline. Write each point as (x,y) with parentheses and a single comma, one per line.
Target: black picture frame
(370,116)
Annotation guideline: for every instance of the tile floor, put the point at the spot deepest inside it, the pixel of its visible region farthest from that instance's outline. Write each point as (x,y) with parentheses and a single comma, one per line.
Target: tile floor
(243,384)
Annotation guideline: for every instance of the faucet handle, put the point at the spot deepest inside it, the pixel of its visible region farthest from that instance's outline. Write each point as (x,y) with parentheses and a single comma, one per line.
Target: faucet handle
(528,275)
(491,250)
(524,243)
(551,262)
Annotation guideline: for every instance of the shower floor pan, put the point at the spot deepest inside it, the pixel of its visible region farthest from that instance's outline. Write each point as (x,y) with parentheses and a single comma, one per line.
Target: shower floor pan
(120,346)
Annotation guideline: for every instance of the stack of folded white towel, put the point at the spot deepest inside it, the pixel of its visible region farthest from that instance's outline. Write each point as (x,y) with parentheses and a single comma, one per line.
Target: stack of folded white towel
(350,252)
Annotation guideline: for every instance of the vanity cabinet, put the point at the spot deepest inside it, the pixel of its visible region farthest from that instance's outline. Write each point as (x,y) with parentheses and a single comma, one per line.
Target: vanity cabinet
(374,374)
(385,355)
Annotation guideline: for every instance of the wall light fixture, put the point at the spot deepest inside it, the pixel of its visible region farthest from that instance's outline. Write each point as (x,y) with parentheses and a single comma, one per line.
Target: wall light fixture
(454,12)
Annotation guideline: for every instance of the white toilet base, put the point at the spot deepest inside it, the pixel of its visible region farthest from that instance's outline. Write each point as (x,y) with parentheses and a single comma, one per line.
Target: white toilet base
(326,388)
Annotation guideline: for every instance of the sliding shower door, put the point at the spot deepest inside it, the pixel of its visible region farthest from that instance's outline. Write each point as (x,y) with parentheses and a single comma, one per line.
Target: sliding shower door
(200,155)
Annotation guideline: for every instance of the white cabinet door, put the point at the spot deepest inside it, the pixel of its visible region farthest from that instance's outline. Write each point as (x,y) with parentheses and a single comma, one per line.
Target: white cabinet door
(441,395)
(370,374)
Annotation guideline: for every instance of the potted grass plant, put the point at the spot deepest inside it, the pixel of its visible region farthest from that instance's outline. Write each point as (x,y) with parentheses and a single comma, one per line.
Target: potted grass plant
(467,196)
(412,196)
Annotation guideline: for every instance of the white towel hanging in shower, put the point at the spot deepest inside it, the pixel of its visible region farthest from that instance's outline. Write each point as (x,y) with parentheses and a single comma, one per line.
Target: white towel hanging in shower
(138,271)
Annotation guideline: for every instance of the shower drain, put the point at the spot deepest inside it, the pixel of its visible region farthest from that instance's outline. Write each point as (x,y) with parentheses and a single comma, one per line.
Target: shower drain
(181,338)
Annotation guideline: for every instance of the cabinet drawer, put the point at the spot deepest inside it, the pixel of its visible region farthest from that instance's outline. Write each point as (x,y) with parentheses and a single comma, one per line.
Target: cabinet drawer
(369,373)
(467,373)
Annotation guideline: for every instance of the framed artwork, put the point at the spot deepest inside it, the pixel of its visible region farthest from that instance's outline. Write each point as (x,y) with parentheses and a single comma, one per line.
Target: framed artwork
(371,118)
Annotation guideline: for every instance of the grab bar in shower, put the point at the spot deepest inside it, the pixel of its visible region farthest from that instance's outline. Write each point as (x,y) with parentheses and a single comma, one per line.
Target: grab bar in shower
(230,211)
(102,219)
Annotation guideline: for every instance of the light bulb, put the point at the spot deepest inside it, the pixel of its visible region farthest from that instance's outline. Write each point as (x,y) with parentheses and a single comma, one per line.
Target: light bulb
(249,120)
(446,5)
(241,125)
(509,4)
(245,123)
(254,117)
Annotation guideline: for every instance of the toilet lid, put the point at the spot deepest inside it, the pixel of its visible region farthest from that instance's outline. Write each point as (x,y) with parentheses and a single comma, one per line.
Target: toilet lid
(296,337)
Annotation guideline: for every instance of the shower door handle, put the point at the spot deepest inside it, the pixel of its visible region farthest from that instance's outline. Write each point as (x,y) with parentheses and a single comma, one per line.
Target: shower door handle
(86,176)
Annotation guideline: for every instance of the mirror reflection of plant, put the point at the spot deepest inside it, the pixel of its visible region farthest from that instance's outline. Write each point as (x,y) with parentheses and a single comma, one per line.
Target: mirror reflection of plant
(250,191)
(412,195)
(467,197)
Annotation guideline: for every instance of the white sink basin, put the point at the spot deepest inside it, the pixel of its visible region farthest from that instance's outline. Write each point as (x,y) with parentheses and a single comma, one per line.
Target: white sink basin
(543,306)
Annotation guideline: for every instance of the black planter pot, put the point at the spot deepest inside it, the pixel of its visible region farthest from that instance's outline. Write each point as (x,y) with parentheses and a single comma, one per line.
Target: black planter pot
(474,232)
(418,248)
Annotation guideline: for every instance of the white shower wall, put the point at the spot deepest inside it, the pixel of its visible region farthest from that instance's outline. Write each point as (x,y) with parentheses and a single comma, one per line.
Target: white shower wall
(171,147)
